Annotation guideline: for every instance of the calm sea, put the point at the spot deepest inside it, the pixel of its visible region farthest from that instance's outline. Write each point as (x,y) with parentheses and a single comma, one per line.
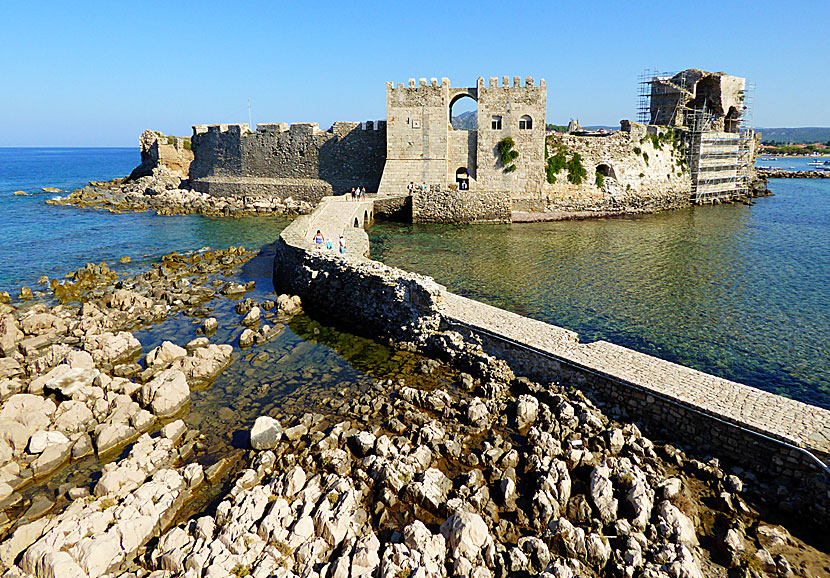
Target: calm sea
(39,239)
(739,291)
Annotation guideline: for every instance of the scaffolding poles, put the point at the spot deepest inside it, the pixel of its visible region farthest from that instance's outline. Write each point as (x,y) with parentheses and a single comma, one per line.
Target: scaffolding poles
(720,161)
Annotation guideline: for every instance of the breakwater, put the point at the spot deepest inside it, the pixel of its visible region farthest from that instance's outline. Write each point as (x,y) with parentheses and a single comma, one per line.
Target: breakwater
(775,437)
(792,174)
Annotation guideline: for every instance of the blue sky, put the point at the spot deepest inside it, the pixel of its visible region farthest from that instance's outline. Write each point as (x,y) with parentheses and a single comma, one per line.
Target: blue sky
(98,73)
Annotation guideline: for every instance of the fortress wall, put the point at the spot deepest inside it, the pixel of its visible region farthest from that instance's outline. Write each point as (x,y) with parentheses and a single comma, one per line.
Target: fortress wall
(454,206)
(644,172)
(297,160)
(462,153)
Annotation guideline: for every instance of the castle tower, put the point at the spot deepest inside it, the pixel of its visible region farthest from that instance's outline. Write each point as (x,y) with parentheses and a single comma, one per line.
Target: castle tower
(422,145)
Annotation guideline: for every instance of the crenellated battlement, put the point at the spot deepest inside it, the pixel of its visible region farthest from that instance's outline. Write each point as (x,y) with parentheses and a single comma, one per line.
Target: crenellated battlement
(494,82)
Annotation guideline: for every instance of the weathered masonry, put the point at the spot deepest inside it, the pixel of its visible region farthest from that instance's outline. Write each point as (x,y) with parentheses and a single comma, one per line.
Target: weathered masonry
(298,160)
(458,174)
(693,144)
(715,111)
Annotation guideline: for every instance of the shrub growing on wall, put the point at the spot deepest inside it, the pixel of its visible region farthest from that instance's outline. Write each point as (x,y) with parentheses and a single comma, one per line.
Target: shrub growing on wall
(599,180)
(507,155)
(576,172)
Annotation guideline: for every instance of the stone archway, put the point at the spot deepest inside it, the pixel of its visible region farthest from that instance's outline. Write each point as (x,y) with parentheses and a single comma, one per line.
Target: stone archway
(462,178)
(463,112)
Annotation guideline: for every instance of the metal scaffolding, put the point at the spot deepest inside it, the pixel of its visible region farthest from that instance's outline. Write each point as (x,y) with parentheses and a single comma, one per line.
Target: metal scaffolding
(720,161)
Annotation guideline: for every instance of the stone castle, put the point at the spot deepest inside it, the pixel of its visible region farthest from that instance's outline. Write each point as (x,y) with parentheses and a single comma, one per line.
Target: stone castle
(690,149)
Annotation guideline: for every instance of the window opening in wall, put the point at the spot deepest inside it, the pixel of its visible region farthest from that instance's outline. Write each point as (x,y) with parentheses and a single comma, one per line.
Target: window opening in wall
(606,171)
(462,177)
(464,113)
(496,123)
(525,123)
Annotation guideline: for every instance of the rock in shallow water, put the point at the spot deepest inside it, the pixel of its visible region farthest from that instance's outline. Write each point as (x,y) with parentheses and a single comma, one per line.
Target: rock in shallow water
(266,433)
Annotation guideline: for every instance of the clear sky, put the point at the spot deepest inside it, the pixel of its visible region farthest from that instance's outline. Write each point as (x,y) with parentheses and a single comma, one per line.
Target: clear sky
(98,73)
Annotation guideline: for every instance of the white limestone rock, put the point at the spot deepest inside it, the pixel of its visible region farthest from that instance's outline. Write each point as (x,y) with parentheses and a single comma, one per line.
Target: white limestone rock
(109,348)
(165,354)
(527,409)
(72,380)
(466,534)
(675,525)
(253,316)
(165,394)
(73,416)
(477,412)
(205,363)
(43,439)
(209,325)
(602,493)
(430,489)
(266,433)
(247,338)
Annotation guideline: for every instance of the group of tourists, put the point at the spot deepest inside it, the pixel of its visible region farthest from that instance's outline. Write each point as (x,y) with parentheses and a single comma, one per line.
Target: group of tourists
(358,193)
(319,239)
(412,187)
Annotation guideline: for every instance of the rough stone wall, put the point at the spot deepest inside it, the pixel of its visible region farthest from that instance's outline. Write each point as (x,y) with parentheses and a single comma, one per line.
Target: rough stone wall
(645,170)
(365,295)
(462,154)
(158,149)
(417,117)
(511,103)
(298,160)
(454,206)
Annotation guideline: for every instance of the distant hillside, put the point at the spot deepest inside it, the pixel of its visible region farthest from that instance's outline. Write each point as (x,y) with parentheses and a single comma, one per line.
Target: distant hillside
(800,135)
(465,121)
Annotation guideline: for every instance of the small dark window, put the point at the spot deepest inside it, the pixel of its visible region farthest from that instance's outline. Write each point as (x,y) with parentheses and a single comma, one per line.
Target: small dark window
(496,124)
(525,123)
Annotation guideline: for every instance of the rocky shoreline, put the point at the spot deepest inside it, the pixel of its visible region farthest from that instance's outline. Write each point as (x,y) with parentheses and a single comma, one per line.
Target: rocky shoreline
(461,469)
(166,192)
(785,174)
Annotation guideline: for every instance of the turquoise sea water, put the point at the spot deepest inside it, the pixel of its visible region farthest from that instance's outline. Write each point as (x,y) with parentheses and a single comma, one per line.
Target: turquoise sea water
(734,290)
(39,239)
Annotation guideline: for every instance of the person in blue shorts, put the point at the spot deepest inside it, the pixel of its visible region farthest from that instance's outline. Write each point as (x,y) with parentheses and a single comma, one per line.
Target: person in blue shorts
(342,245)
(318,238)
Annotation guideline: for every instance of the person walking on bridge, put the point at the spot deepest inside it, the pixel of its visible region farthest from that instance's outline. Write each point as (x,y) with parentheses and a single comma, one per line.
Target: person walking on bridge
(342,245)
(319,238)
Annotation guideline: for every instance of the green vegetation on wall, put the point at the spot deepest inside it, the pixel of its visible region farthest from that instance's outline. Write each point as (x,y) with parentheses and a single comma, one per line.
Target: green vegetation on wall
(599,180)
(559,161)
(507,155)
(576,172)
(555,163)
